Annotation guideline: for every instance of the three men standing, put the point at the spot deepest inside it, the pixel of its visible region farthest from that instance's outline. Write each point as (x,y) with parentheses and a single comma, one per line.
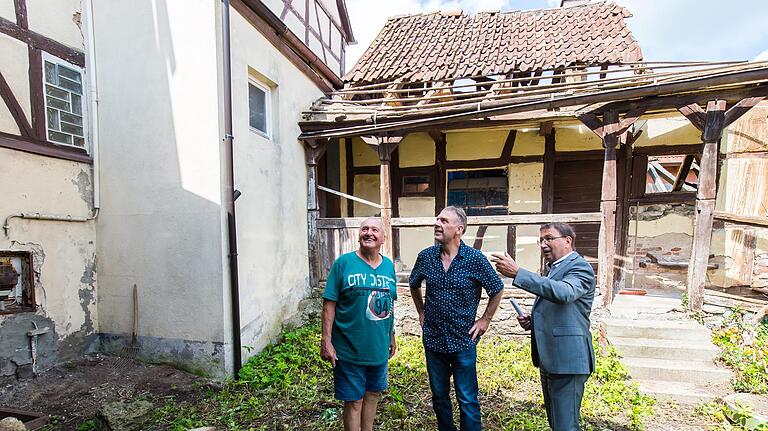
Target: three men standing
(357,335)
(561,344)
(455,274)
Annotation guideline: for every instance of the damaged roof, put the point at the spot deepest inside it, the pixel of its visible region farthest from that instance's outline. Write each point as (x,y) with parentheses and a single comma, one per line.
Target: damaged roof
(439,45)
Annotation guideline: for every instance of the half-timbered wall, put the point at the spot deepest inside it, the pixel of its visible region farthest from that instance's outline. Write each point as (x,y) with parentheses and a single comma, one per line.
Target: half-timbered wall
(38,176)
(318,24)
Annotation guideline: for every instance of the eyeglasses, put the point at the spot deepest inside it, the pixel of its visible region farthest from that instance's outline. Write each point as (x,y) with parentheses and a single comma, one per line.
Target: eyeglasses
(548,239)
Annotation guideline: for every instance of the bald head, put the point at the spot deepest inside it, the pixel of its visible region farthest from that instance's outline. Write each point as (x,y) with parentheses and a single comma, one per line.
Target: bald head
(374,221)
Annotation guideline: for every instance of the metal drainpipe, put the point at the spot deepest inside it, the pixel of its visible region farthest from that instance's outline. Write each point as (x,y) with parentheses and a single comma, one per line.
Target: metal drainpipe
(230,194)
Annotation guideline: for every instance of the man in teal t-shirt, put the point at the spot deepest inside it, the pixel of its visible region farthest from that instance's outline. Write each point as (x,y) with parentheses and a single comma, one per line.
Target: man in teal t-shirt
(358,337)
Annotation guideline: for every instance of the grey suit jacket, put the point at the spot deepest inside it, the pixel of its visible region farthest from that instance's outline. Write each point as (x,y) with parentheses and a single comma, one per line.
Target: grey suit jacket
(560,339)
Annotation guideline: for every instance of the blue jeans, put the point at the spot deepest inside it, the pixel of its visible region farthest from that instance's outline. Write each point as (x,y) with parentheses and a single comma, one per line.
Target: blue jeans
(460,365)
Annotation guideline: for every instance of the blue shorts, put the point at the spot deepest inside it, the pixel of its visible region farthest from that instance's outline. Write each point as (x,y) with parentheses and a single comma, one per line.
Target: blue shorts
(352,381)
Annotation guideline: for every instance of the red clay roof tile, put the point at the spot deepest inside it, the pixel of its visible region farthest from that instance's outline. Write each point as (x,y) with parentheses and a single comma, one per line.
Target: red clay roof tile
(448,45)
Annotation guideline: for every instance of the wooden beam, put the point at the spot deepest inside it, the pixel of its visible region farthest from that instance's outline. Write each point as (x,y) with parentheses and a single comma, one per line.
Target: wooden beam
(314,149)
(740,109)
(500,220)
(440,167)
(607,243)
(44,43)
(20,7)
(35,146)
(15,108)
(384,145)
(478,243)
(548,174)
(705,204)
(741,219)
(682,173)
(694,114)
(37,94)
(350,164)
(512,241)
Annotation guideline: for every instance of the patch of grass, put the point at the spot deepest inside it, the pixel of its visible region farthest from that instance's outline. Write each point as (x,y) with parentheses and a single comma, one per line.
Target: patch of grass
(744,348)
(289,387)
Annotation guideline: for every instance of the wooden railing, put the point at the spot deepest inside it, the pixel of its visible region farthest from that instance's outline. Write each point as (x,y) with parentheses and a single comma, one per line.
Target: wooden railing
(337,236)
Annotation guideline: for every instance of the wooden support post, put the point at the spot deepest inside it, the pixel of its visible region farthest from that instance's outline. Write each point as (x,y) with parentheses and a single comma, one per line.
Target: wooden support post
(384,146)
(313,149)
(610,130)
(711,123)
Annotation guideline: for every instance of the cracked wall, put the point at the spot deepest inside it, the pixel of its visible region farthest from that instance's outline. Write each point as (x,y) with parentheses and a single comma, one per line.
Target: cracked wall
(63,260)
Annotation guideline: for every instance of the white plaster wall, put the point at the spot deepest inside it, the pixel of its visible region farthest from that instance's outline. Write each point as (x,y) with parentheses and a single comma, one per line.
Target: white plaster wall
(64,252)
(271,174)
(15,70)
(161,215)
(58,19)
(527,251)
(7,10)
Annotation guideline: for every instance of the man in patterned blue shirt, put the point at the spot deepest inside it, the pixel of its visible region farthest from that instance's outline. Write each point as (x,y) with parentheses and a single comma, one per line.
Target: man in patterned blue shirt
(455,274)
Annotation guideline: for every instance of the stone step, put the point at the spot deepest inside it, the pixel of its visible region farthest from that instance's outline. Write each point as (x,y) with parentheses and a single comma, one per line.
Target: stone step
(630,306)
(676,371)
(657,329)
(701,350)
(689,393)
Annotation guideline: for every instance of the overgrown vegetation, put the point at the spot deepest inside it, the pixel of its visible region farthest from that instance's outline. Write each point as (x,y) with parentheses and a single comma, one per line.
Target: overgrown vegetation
(289,387)
(738,420)
(744,348)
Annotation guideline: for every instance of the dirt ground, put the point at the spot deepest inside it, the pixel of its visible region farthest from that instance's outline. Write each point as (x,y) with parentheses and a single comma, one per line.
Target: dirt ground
(73,392)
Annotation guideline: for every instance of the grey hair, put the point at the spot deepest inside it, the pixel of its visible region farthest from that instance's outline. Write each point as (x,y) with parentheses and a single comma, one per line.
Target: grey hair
(564,228)
(460,214)
(379,222)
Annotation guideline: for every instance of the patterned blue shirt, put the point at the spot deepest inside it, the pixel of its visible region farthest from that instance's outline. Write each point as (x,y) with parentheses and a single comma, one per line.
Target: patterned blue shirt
(452,297)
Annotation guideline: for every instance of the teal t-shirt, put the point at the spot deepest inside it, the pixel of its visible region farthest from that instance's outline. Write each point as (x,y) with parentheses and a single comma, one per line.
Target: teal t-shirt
(364,299)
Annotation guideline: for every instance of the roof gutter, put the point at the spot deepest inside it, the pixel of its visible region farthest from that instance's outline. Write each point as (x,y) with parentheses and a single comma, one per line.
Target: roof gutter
(294,42)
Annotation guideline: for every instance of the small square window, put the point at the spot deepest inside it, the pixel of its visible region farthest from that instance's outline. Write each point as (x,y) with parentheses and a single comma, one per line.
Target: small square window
(64,110)
(259,98)
(17,292)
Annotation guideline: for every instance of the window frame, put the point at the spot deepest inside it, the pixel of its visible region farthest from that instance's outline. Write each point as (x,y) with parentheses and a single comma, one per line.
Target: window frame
(84,102)
(417,172)
(267,108)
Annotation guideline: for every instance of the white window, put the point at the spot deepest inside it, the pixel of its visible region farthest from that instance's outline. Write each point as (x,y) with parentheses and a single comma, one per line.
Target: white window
(259,108)
(64,102)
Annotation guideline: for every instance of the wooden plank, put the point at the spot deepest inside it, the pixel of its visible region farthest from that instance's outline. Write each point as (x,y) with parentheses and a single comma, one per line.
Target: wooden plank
(35,146)
(350,197)
(740,242)
(741,219)
(500,220)
(36,94)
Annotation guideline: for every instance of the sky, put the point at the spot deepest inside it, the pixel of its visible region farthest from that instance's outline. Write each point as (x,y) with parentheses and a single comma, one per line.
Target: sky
(667,30)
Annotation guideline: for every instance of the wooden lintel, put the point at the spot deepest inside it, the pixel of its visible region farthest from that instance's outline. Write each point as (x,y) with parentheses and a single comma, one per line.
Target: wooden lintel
(499,220)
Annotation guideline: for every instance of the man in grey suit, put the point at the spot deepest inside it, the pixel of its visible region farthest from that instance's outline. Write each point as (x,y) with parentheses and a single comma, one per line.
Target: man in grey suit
(561,344)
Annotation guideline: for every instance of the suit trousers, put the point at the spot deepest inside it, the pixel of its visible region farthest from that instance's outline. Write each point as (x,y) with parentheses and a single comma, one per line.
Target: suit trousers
(562,399)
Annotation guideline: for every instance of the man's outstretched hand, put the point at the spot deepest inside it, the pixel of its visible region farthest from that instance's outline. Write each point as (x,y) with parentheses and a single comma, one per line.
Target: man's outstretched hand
(505,264)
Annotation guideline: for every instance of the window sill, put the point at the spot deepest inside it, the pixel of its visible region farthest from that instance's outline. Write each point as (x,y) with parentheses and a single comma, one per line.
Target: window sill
(44,148)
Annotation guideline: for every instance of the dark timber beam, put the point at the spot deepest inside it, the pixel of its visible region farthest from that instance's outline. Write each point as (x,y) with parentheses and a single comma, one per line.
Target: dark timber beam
(384,146)
(313,150)
(711,122)
(610,129)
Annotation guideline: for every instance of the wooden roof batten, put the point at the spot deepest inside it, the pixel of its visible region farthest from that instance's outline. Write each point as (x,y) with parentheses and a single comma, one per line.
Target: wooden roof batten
(655,92)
